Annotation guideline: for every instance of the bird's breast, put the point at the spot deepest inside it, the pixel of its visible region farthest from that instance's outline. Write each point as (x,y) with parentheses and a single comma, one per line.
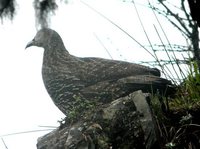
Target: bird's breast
(61,85)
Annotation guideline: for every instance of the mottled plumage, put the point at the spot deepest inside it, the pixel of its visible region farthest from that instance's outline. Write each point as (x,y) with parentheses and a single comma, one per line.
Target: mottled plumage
(67,77)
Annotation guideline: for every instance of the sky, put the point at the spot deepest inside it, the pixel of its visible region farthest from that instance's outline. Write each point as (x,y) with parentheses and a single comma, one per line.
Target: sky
(25,104)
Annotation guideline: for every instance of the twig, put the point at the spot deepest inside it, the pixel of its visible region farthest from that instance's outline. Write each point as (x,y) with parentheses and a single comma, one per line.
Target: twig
(24,132)
(103,45)
(103,16)
(4,143)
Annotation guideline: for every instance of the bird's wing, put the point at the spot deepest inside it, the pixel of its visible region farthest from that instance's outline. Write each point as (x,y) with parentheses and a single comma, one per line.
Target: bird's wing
(100,69)
(127,85)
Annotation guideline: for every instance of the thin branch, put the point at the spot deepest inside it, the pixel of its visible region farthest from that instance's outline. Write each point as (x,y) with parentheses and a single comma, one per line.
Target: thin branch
(174,24)
(166,52)
(155,56)
(4,143)
(103,46)
(164,62)
(184,30)
(186,14)
(172,48)
(24,132)
(176,17)
(48,126)
(103,16)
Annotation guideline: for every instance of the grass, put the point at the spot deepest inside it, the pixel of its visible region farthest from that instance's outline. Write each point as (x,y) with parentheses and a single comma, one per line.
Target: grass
(179,127)
(188,95)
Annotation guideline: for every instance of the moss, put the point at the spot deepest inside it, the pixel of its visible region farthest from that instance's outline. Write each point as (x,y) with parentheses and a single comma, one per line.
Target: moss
(127,131)
(78,106)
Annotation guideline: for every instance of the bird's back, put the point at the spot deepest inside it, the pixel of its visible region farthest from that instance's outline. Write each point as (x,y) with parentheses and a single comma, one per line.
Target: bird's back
(93,70)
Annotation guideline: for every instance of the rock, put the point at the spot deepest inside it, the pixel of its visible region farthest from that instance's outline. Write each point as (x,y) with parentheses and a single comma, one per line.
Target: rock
(125,123)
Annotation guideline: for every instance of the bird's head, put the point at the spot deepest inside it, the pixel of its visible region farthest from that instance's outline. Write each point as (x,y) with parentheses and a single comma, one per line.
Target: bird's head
(45,38)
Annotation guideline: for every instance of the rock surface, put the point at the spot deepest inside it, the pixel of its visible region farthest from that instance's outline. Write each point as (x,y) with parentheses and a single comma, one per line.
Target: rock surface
(125,123)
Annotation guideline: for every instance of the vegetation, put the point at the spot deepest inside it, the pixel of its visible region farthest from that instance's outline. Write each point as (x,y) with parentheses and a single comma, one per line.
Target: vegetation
(78,107)
(179,127)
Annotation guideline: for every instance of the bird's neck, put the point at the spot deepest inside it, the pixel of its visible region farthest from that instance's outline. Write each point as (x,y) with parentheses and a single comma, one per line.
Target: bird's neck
(54,55)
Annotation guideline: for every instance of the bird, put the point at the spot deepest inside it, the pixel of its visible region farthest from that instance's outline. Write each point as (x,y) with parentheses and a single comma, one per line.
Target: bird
(70,80)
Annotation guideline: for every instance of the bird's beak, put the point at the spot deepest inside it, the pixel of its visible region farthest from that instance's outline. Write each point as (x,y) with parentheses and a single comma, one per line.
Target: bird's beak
(31,43)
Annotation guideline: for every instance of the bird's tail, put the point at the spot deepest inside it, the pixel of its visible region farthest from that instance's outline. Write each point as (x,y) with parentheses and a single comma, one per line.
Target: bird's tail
(150,84)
